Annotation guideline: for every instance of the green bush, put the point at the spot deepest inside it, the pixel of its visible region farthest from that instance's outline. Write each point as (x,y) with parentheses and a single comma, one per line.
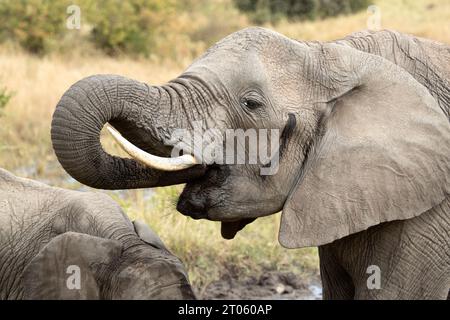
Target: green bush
(5,96)
(34,24)
(158,27)
(114,26)
(137,27)
(128,26)
(261,11)
(329,8)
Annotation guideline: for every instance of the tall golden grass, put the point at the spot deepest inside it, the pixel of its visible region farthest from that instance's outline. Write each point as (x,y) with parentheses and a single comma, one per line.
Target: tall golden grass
(423,18)
(38,83)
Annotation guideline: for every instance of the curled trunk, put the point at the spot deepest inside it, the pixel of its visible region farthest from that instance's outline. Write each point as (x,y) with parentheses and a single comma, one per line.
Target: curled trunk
(143,114)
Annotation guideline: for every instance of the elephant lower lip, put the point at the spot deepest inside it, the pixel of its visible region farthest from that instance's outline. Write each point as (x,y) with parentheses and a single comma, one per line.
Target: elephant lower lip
(230,229)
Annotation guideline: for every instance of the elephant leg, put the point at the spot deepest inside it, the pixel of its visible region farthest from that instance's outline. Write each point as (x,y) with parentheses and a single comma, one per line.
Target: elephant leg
(336,282)
(411,257)
(415,285)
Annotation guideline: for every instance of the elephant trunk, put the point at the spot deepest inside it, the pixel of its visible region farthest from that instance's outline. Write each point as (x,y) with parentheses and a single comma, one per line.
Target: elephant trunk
(143,114)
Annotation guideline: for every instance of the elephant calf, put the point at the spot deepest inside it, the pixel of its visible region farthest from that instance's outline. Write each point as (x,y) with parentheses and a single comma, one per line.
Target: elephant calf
(61,244)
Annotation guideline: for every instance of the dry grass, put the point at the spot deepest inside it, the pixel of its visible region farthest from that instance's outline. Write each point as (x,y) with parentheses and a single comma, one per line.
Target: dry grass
(38,83)
(424,18)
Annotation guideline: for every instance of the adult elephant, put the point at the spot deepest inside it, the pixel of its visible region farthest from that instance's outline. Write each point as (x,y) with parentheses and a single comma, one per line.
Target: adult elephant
(63,244)
(364,156)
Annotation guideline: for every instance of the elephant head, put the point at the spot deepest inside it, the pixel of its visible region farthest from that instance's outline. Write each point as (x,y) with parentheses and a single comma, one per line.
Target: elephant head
(80,266)
(362,142)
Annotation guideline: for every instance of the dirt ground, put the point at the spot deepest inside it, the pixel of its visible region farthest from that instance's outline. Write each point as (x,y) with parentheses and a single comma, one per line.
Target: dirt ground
(270,285)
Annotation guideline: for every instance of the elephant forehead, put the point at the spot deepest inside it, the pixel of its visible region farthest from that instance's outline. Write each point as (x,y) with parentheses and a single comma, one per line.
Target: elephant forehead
(233,72)
(226,60)
(244,40)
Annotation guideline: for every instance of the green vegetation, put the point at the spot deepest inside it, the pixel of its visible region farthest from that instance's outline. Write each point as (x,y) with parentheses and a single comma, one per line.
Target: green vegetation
(132,27)
(262,11)
(149,27)
(5,96)
(331,8)
(128,26)
(34,24)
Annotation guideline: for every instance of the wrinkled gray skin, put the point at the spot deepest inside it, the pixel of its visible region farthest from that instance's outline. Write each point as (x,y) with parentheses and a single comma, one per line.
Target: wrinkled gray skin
(44,231)
(369,144)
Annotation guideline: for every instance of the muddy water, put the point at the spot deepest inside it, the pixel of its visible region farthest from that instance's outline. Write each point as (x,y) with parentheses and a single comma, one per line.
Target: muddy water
(270,285)
(316,292)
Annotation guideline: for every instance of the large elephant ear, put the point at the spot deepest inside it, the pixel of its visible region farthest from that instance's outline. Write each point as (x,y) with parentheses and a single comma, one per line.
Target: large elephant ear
(65,267)
(383,154)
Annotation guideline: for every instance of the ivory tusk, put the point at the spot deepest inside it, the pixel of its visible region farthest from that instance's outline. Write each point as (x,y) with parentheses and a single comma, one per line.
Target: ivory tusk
(150,160)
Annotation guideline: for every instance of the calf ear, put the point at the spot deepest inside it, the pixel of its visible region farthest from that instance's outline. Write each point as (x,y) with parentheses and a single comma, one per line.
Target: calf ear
(148,235)
(65,267)
(383,154)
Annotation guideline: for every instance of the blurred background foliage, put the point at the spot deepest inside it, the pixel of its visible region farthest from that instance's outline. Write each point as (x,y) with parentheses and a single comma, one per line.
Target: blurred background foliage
(35,24)
(261,11)
(150,27)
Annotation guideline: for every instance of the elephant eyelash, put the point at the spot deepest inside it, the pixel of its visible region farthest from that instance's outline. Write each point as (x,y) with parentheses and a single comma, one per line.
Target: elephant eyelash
(250,104)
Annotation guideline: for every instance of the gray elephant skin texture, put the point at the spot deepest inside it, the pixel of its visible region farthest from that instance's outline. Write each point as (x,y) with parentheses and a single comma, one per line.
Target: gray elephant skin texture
(364,167)
(62,244)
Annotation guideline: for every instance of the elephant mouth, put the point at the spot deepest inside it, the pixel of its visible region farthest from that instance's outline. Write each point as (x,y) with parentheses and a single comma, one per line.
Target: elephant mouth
(188,204)
(197,208)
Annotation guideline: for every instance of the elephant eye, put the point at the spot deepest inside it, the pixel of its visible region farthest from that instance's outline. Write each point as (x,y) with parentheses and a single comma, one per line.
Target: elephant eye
(250,104)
